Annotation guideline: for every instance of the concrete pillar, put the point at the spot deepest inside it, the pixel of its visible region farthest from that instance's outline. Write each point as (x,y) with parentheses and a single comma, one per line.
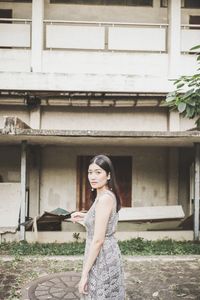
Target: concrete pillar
(173,121)
(173,170)
(35,117)
(37,35)
(174,37)
(23,189)
(196,191)
(34,181)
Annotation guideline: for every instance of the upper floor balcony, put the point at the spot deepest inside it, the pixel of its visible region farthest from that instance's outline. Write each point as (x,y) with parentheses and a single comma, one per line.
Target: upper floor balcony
(79,55)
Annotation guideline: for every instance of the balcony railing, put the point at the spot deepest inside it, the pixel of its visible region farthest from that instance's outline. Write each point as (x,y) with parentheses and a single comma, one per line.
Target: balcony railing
(16,33)
(190,37)
(106,36)
(96,36)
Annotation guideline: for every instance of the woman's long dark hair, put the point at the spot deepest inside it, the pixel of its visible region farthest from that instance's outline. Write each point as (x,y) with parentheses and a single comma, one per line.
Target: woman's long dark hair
(105,163)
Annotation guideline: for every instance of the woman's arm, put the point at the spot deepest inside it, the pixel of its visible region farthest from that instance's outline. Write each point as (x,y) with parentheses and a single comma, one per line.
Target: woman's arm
(103,210)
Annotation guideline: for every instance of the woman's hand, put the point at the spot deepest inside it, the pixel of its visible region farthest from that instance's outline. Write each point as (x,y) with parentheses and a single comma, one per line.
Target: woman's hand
(77,216)
(83,285)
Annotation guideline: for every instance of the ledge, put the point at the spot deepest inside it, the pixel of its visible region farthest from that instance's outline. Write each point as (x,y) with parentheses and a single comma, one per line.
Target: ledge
(100,138)
(84,82)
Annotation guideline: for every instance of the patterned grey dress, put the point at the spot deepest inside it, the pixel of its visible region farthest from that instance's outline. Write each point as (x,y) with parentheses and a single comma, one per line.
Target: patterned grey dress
(106,278)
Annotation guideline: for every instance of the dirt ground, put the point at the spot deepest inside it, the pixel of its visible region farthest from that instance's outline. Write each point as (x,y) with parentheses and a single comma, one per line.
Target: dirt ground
(147,278)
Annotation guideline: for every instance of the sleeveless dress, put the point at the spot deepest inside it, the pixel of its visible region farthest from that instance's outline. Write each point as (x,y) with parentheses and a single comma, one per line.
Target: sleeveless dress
(106,278)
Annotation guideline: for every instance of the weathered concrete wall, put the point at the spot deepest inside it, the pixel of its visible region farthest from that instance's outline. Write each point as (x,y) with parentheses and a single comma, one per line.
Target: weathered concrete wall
(186,123)
(75,62)
(63,236)
(19,10)
(186,158)
(149,179)
(58,178)
(10,163)
(105,13)
(97,118)
(55,169)
(98,13)
(104,118)
(15,61)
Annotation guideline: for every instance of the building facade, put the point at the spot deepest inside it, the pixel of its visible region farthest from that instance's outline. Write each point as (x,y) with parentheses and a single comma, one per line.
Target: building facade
(79,78)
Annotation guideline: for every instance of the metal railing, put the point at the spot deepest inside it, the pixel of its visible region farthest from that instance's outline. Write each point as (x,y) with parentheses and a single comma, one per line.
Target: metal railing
(110,29)
(109,32)
(14,20)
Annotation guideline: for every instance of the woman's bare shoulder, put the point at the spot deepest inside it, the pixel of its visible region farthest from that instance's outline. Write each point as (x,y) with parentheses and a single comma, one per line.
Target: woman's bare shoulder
(107,198)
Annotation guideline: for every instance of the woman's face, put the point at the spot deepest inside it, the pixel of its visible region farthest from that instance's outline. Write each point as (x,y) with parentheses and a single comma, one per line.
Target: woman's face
(97,176)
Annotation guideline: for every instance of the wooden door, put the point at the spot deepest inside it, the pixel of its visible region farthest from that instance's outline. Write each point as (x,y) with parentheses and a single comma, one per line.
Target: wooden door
(123,170)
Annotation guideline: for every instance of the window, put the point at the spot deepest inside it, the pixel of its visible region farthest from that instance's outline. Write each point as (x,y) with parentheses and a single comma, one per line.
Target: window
(5,14)
(192,4)
(23,1)
(195,20)
(107,2)
(184,3)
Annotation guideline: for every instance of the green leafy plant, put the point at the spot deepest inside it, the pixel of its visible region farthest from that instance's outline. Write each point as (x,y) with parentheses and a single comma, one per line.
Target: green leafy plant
(136,246)
(76,236)
(186,97)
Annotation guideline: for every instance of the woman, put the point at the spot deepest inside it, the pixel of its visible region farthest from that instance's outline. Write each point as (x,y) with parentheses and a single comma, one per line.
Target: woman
(102,275)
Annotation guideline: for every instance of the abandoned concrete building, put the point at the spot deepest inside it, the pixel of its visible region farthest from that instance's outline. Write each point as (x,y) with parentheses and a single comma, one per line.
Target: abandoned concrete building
(84,77)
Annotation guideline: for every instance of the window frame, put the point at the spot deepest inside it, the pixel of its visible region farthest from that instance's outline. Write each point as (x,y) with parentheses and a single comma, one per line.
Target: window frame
(164,4)
(103,3)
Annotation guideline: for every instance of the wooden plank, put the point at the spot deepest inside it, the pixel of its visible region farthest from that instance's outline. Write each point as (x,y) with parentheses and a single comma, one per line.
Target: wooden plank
(151,213)
(196,192)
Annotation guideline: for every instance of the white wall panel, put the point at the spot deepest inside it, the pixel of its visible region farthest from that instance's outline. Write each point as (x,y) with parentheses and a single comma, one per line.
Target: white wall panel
(14,35)
(15,60)
(189,39)
(74,37)
(142,39)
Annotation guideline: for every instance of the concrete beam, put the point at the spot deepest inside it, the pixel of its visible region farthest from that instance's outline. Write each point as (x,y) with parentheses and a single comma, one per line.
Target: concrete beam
(84,82)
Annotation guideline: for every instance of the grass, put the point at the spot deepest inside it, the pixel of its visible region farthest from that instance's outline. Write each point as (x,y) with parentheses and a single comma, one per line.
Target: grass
(31,261)
(137,246)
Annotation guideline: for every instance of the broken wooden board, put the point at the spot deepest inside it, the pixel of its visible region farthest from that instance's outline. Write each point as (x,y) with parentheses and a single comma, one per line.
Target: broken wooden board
(147,213)
(130,226)
(48,221)
(9,206)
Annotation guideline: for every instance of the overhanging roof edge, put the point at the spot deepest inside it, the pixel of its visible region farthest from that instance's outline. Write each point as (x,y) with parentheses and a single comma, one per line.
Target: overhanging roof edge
(96,134)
